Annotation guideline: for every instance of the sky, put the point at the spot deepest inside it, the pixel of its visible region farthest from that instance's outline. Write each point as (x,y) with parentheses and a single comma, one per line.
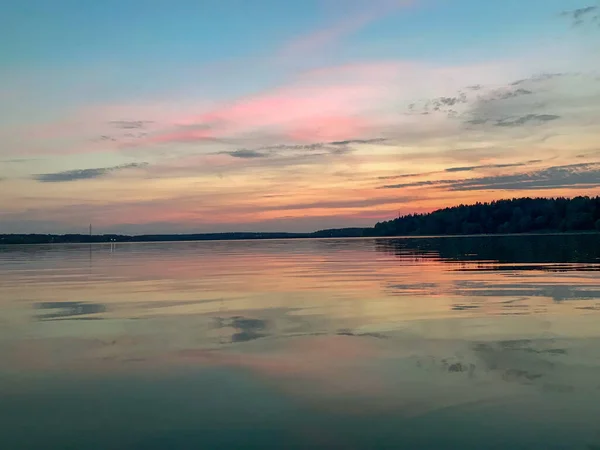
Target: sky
(148,116)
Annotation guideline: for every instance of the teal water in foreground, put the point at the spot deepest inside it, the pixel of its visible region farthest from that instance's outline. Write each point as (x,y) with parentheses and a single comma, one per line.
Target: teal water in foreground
(467,343)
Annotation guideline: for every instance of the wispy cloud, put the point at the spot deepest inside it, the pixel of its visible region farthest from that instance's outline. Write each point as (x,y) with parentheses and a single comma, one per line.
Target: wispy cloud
(359,141)
(524,120)
(305,112)
(130,124)
(322,145)
(246,154)
(569,176)
(318,40)
(83,174)
(580,16)
(489,166)
(340,204)
(340,103)
(414,184)
(283,152)
(18,160)
(455,170)
(534,101)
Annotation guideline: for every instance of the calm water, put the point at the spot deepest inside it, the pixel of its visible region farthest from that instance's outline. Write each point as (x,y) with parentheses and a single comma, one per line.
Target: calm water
(468,343)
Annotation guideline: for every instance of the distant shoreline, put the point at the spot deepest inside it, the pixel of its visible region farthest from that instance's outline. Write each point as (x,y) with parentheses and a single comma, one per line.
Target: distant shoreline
(158,239)
(519,216)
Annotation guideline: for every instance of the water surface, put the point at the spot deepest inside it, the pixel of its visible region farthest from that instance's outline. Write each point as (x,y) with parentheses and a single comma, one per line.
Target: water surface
(487,342)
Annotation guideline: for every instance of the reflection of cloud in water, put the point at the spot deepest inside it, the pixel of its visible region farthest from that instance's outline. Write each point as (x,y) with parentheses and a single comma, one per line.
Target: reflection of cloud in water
(307,366)
(356,373)
(555,289)
(347,332)
(67,310)
(412,377)
(248,329)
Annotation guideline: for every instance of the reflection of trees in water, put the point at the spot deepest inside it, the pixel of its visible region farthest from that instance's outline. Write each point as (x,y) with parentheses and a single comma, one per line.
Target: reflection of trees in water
(552,249)
(515,265)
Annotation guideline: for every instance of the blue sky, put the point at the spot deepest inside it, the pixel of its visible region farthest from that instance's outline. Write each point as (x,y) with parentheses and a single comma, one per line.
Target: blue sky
(172,42)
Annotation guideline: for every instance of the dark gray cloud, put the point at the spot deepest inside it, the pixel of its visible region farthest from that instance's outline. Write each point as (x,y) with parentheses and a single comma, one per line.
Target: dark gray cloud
(415,184)
(124,137)
(320,145)
(268,151)
(478,121)
(512,94)
(83,174)
(484,102)
(460,169)
(538,78)
(527,119)
(357,141)
(524,102)
(571,176)
(130,124)
(340,150)
(246,154)
(277,147)
(581,16)
(478,104)
(65,310)
(487,166)
(405,175)
(579,13)
(444,105)
(284,152)
(106,138)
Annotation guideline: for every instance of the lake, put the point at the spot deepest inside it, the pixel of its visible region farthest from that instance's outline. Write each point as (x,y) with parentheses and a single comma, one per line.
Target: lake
(467,342)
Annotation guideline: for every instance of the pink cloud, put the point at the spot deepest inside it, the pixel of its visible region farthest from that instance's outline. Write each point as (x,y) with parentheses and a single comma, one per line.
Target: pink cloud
(351,101)
(291,104)
(334,96)
(326,102)
(299,112)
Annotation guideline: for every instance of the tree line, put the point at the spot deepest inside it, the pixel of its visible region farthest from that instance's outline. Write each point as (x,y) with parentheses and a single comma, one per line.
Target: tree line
(518,215)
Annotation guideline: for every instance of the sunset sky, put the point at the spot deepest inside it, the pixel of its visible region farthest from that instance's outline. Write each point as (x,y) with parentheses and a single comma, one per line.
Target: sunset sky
(269,115)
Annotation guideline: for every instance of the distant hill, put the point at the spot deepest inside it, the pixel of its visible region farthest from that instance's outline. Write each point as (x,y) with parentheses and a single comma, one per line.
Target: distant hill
(519,215)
